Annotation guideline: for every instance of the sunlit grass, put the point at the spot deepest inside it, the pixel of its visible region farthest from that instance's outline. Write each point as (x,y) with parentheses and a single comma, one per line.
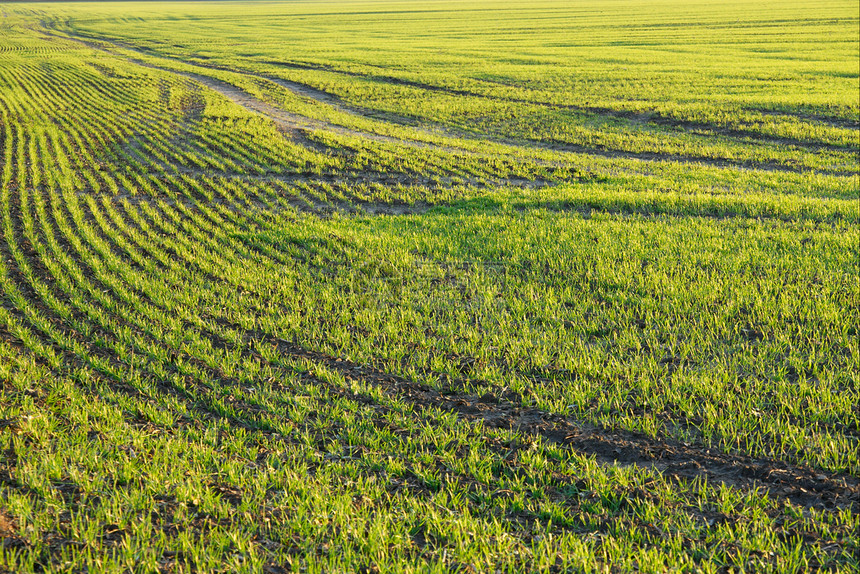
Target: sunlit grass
(232,344)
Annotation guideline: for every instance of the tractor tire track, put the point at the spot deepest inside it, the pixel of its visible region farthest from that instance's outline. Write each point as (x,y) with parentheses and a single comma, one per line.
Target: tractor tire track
(801,485)
(301,125)
(633,117)
(294,124)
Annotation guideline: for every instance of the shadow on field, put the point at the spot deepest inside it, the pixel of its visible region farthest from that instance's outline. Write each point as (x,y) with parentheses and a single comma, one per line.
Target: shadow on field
(653,207)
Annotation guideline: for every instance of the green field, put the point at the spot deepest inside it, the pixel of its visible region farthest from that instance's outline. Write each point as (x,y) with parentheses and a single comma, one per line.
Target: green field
(430,286)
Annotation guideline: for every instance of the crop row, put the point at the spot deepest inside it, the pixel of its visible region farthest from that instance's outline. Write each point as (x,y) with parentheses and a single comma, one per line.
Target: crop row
(214,357)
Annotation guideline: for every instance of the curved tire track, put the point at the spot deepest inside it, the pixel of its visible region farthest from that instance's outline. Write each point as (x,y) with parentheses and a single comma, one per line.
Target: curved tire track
(298,123)
(801,485)
(631,116)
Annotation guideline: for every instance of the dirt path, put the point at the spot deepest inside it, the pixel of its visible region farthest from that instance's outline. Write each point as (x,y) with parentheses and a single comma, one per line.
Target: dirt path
(285,120)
